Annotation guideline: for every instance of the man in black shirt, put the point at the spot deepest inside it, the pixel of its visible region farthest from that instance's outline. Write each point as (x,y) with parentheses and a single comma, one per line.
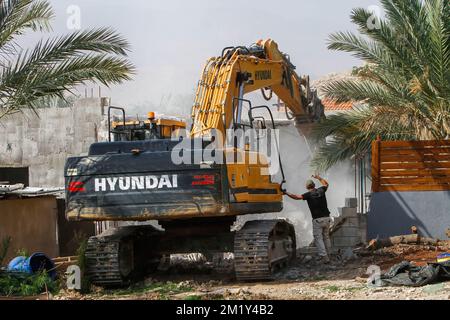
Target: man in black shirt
(317,203)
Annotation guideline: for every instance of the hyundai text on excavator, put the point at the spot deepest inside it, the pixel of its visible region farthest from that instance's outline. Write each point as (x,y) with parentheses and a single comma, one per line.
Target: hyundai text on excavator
(133,178)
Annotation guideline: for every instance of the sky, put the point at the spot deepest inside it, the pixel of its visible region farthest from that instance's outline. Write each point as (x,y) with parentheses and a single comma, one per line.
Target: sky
(171,39)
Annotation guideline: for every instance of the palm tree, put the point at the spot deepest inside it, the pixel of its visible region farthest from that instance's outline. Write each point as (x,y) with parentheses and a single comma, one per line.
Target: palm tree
(403,89)
(54,66)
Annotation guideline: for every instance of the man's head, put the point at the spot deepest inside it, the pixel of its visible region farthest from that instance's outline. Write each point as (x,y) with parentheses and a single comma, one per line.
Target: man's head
(310,184)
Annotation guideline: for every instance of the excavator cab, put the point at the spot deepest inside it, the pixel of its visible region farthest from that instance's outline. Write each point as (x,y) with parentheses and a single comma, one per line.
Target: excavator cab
(137,129)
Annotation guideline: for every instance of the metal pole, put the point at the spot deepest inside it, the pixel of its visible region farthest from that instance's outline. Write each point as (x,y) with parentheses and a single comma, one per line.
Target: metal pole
(356,195)
(240,103)
(362,184)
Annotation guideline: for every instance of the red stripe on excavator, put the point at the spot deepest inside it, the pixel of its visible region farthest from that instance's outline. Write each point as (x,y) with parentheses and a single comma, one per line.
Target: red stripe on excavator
(203,180)
(76,186)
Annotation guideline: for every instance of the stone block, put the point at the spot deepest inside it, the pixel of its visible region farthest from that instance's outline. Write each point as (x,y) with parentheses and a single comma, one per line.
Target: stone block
(351,202)
(363,236)
(349,212)
(352,222)
(347,231)
(363,219)
(339,242)
(307,251)
(363,228)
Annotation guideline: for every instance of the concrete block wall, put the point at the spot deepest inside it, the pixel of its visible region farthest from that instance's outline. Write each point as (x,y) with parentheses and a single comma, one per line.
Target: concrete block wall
(43,142)
(353,231)
(394,213)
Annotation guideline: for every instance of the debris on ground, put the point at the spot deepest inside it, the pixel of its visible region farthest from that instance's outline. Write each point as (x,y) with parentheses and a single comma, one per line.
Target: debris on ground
(408,274)
(197,262)
(305,279)
(62,263)
(408,239)
(19,190)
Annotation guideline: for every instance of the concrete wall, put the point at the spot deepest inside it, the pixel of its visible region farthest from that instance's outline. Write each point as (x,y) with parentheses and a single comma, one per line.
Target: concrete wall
(393,213)
(352,230)
(31,224)
(43,143)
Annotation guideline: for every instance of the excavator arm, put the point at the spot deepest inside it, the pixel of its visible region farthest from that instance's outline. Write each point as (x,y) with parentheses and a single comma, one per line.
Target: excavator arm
(241,70)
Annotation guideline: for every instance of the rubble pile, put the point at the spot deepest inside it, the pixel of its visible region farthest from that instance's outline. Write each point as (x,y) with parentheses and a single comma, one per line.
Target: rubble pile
(219,263)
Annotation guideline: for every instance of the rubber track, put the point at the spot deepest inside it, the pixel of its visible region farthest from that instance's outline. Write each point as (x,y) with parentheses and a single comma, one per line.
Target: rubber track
(251,250)
(102,262)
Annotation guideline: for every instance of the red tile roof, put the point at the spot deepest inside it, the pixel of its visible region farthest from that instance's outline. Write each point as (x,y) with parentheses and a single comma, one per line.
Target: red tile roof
(331,105)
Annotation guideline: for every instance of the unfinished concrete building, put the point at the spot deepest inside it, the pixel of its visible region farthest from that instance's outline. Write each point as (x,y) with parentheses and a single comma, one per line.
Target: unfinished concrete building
(33,149)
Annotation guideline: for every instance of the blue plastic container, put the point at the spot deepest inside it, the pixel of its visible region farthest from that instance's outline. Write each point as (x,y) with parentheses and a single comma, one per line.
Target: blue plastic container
(35,263)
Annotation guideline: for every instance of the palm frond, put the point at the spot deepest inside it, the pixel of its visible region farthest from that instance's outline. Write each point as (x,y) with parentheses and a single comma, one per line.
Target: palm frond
(56,65)
(16,16)
(57,79)
(404,87)
(368,91)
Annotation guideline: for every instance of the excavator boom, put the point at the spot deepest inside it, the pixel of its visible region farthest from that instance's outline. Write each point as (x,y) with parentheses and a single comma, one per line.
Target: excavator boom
(241,70)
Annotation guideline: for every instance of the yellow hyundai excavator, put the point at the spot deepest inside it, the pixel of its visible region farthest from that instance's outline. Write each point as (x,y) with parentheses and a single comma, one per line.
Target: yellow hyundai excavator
(195,202)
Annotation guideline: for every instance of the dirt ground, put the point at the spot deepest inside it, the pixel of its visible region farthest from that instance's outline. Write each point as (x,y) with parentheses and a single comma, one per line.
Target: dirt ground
(304,280)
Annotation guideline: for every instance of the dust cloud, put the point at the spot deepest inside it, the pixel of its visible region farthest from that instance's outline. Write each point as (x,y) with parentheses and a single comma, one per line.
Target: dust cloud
(296,155)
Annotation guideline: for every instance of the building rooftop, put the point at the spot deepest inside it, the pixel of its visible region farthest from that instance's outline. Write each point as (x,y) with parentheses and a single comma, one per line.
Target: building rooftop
(18,190)
(332,105)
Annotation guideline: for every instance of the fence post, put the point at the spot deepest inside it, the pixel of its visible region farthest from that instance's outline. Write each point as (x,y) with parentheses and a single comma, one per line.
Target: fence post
(376,165)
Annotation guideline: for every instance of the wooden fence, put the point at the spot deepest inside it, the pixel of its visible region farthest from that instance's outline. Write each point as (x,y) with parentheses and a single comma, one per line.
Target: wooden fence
(410,165)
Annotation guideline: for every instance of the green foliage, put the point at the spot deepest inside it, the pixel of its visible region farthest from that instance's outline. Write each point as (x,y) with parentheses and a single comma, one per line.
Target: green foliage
(6,241)
(333,288)
(164,289)
(26,285)
(23,253)
(85,281)
(54,66)
(81,253)
(403,90)
(22,284)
